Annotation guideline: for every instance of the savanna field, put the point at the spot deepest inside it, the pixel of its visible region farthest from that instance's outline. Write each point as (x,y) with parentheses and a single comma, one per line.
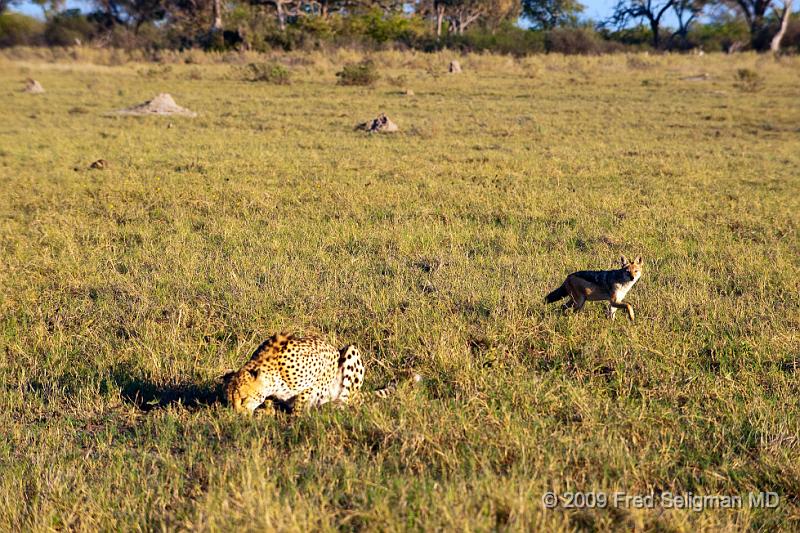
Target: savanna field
(126,292)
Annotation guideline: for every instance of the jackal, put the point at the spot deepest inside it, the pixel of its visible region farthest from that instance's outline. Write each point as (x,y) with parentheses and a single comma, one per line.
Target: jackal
(600,285)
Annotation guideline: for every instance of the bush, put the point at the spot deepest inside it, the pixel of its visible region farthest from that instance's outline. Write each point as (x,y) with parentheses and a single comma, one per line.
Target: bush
(255,26)
(380,28)
(269,72)
(791,41)
(748,80)
(507,39)
(636,37)
(510,39)
(577,41)
(364,74)
(220,41)
(67,28)
(19,30)
(719,36)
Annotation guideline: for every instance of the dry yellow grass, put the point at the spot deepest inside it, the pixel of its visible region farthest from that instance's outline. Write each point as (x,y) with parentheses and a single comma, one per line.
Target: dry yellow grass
(123,290)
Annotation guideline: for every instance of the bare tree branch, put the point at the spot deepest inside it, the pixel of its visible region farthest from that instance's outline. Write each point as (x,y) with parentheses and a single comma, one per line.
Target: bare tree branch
(775,44)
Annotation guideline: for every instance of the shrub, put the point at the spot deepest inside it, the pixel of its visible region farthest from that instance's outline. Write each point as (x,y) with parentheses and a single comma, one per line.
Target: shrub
(19,30)
(400,81)
(637,37)
(719,36)
(511,39)
(748,80)
(508,38)
(254,25)
(364,74)
(376,26)
(791,41)
(67,28)
(639,63)
(269,72)
(575,41)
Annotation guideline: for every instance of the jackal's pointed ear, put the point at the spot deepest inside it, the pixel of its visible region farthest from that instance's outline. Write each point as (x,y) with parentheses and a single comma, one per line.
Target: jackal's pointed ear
(638,260)
(623,260)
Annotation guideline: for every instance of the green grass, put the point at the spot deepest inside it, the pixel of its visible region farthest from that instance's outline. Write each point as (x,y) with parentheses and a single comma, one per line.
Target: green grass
(123,291)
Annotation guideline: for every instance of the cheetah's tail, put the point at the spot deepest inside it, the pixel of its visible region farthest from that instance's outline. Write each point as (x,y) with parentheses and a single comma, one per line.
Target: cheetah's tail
(390,389)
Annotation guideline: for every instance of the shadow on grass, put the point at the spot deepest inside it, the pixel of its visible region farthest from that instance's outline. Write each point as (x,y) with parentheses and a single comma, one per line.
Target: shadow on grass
(147,395)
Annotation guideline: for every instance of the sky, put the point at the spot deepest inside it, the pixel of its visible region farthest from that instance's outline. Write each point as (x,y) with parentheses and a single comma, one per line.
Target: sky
(595,9)
(29,8)
(598,9)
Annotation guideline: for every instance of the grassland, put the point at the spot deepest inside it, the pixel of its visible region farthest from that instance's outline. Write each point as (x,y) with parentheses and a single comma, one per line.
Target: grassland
(124,293)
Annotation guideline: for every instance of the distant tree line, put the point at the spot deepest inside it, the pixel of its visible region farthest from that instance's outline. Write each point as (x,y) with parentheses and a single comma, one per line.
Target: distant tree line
(506,26)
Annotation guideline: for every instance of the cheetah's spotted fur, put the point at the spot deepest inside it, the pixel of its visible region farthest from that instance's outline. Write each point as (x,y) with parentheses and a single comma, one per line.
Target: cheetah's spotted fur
(307,370)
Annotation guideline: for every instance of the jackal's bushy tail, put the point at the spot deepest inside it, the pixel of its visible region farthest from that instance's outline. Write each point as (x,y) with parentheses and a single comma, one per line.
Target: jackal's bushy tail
(557,294)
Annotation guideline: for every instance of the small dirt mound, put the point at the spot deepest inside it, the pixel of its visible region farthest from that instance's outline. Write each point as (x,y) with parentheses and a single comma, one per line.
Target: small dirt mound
(455,67)
(381,124)
(33,87)
(162,105)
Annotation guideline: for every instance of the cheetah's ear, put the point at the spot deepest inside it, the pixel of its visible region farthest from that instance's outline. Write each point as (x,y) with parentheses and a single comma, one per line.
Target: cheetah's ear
(638,260)
(623,260)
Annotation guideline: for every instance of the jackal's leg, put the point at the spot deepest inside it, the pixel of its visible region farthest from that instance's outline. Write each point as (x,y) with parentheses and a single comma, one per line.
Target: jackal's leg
(611,312)
(576,296)
(623,305)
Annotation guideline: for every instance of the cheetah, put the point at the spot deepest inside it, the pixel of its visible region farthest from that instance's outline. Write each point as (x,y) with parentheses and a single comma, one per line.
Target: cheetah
(307,371)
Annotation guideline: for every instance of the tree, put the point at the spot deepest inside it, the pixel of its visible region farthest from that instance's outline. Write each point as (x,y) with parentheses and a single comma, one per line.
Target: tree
(464,14)
(216,24)
(441,7)
(188,18)
(501,11)
(754,12)
(686,12)
(5,4)
(549,14)
(142,11)
(49,7)
(775,44)
(460,14)
(650,10)
(132,13)
(292,9)
(282,8)
(111,10)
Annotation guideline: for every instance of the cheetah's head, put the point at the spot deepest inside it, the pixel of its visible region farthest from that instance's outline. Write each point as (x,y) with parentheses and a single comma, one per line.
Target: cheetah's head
(242,390)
